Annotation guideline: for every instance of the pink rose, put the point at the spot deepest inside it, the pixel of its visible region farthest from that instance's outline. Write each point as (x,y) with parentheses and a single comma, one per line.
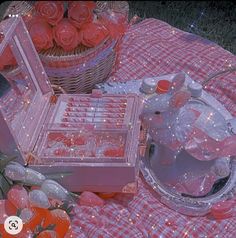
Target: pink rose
(41,33)
(7,58)
(66,35)
(81,12)
(92,34)
(51,11)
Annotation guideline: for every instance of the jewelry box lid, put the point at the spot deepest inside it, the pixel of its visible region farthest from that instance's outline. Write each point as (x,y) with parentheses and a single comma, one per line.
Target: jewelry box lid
(23,105)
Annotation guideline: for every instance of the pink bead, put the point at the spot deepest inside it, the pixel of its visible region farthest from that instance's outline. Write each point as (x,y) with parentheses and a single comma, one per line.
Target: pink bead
(90,199)
(18,196)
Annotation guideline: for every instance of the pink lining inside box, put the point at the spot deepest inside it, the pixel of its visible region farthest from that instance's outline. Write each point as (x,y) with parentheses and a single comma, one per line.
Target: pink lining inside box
(92,138)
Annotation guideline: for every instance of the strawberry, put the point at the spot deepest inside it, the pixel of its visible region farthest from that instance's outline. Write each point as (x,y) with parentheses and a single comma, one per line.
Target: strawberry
(60,219)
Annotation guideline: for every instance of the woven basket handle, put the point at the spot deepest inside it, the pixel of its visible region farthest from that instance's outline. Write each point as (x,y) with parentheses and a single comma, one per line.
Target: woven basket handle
(58,88)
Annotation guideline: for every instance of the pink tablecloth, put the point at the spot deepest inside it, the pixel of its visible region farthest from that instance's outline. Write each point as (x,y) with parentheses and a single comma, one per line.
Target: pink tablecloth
(152,48)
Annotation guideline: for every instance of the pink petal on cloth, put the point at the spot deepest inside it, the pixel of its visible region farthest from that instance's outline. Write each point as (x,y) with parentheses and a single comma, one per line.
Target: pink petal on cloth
(90,199)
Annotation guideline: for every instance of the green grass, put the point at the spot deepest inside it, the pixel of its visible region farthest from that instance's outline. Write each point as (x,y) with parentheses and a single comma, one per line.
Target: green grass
(218,23)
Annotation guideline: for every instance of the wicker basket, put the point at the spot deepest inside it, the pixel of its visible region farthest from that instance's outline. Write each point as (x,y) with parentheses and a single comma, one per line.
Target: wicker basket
(80,70)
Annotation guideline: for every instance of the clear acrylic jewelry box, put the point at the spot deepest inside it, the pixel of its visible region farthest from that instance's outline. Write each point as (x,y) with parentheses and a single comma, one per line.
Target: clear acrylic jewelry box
(90,139)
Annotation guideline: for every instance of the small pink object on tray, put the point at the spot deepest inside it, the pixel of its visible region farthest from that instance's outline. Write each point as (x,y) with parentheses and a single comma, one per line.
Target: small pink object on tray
(91,139)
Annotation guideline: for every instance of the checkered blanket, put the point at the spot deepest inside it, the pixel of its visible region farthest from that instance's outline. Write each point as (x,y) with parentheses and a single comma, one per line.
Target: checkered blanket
(153,48)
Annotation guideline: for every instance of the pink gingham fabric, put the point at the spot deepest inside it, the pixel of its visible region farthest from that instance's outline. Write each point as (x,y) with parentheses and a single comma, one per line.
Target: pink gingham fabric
(152,48)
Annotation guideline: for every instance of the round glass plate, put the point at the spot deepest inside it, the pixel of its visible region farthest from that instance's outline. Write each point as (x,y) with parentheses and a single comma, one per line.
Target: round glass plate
(183,183)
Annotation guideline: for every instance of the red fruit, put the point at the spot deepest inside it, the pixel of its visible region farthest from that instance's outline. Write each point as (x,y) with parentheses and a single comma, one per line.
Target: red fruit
(6,209)
(39,215)
(4,233)
(25,233)
(60,219)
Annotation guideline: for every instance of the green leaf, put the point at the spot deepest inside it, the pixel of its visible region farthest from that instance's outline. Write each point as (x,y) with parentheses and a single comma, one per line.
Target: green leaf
(18,212)
(64,206)
(39,228)
(50,227)
(4,185)
(4,160)
(69,209)
(1,194)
